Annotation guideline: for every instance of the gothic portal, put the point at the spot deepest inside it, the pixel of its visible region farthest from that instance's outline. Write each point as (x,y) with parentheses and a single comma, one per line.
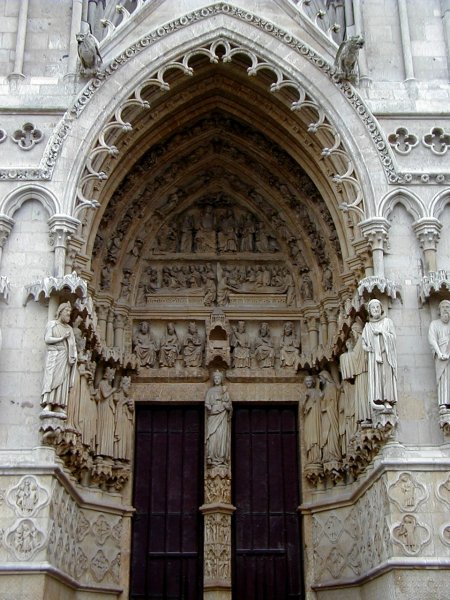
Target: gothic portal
(225,300)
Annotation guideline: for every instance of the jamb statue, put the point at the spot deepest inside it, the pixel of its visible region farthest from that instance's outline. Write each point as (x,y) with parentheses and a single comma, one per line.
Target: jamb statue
(439,339)
(60,364)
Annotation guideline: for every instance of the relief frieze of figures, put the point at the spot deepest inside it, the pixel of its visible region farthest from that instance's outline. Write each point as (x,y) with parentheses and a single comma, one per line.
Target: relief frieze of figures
(220,284)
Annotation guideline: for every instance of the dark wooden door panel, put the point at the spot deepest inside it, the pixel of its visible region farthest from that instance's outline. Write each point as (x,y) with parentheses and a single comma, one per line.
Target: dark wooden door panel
(267,559)
(168,480)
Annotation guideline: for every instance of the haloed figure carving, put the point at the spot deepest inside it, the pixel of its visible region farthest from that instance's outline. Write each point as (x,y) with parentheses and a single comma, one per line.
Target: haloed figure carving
(264,350)
(60,362)
(218,423)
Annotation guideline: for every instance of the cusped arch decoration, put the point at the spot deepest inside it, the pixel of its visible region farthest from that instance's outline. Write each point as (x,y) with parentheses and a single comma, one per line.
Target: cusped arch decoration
(14,200)
(439,203)
(342,169)
(410,201)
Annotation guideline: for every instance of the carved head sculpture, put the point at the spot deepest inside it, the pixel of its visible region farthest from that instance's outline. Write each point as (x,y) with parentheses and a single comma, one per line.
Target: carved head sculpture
(325,377)
(63,312)
(109,373)
(125,383)
(192,327)
(310,382)
(375,309)
(444,311)
(217,377)
(144,327)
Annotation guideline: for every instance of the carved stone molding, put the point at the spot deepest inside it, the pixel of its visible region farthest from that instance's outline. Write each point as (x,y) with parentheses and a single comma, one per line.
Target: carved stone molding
(411,535)
(367,286)
(402,140)
(438,141)
(443,492)
(444,420)
(407,492)
(24,539)
(433,283)
(27,497)
(49,285)
(27,137)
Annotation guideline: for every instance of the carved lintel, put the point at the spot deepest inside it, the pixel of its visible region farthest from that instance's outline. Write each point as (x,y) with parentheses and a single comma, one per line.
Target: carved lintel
(433,283)
(51,285)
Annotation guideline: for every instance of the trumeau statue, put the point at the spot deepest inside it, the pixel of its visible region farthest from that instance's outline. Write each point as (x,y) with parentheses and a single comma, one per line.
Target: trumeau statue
(439,338)
(311,410)
(264,348)
(378,340)
(145,346)
(60,362)
(218,423)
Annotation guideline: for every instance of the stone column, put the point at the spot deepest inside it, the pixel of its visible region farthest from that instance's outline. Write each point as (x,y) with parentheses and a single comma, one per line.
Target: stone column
(119,326)
(332,315)
(102,313)
(20,41)
(428,232)
(324,329)
(110,328)
(375,231)
(313,330)
(61,228)
(217,512)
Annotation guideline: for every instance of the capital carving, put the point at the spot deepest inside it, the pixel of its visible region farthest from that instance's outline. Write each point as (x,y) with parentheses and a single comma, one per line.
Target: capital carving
(428,232)
(6,225)
(375,231)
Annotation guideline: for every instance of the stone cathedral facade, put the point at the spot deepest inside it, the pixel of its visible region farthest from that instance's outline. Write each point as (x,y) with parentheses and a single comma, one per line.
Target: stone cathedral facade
(224,299)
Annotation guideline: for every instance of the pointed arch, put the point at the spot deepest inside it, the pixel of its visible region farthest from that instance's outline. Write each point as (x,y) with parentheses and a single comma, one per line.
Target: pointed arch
(409,200)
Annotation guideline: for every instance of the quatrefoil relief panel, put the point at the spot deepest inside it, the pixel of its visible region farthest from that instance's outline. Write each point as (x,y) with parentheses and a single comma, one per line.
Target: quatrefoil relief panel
(27,137)
(402,140)
(438,141)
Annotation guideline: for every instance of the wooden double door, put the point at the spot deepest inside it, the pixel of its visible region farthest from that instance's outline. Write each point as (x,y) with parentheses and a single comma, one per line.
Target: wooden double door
(167,546)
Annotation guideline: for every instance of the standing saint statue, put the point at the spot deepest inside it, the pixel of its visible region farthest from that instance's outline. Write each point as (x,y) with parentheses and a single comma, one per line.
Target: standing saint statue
(439,338)
(60,363)
(124,421)
(218,423)
(329,434)
(311,410)
(378,340)
(106,408)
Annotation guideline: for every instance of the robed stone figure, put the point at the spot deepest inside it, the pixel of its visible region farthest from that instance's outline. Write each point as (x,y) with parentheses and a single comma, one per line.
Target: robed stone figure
(439,338)
(60,363)
(379,341)
(218,423)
